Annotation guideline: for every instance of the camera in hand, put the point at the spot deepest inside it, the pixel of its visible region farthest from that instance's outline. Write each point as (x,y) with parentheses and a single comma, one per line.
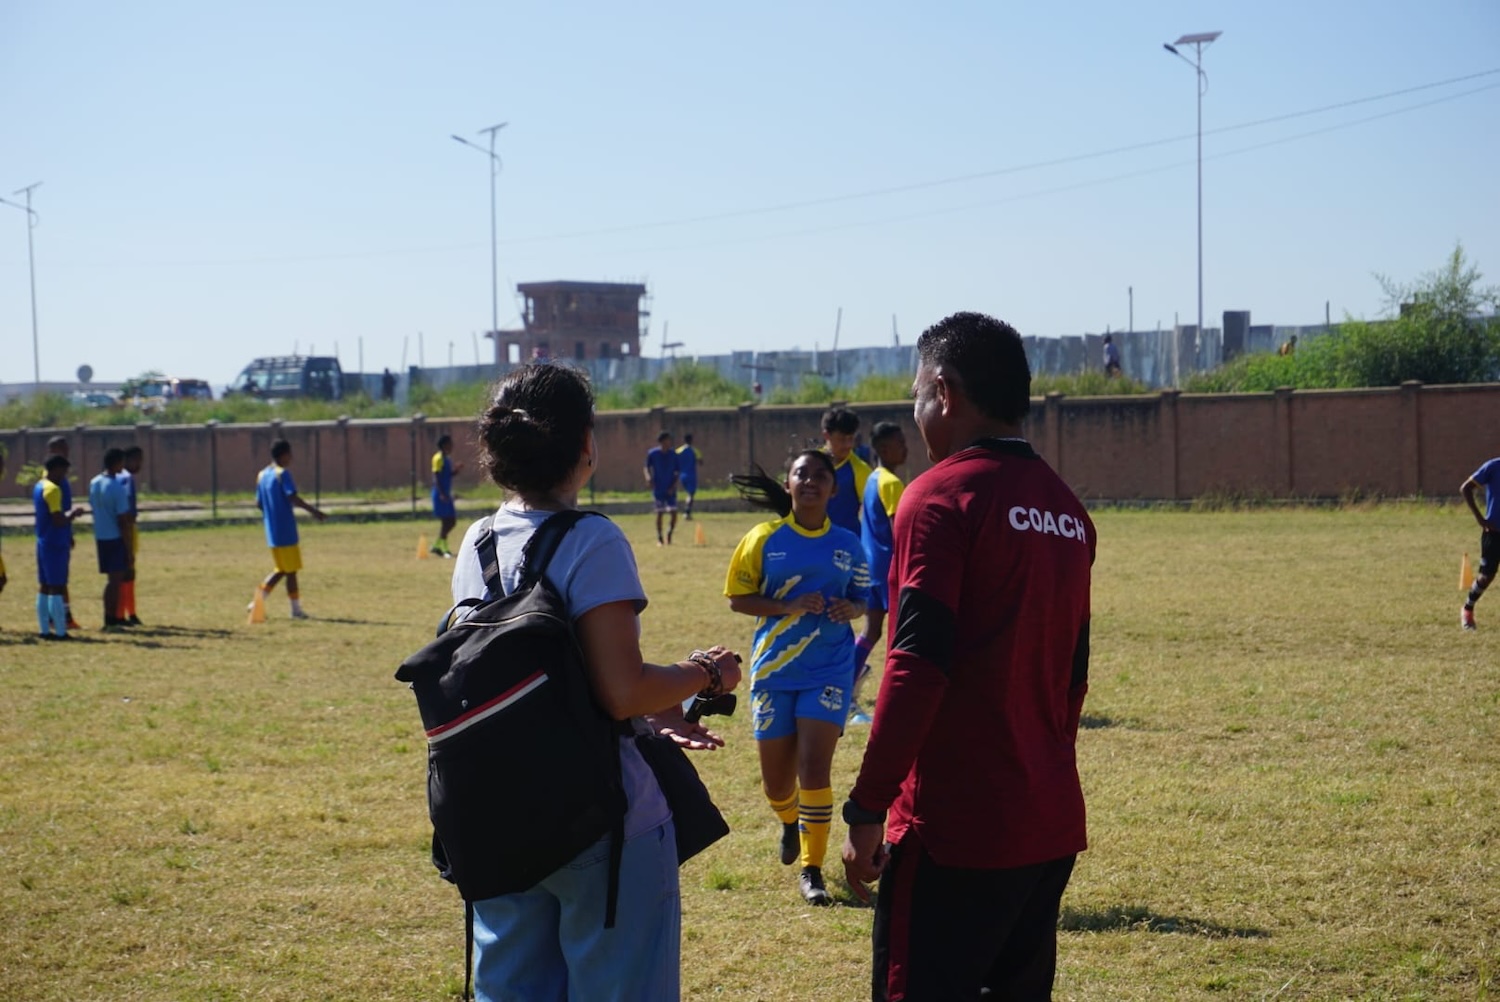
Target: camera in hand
(711,706)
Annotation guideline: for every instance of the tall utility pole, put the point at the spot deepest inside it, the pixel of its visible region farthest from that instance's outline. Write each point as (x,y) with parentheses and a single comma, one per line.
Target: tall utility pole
(1198,42)
(31,221)
(494,262)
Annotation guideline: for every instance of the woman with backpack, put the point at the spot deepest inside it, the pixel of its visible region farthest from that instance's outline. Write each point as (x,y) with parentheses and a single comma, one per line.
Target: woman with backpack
(548,942)
(805,580)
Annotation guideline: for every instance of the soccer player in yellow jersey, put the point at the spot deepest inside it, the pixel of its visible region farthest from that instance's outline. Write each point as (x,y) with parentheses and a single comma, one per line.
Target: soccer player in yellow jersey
(805,581)
(443,471)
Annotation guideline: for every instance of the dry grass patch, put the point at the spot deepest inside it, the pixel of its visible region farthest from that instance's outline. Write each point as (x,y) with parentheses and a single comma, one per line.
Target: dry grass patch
(1290,754)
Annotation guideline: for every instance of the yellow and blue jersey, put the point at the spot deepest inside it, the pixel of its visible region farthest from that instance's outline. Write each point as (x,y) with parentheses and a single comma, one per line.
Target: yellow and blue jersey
(882,494)
(274,491)
(442,473)
(850,477)
(688,458)
(48,499)
(782,560)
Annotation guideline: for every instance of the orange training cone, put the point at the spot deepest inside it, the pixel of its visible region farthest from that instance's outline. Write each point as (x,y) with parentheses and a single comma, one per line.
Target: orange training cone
(700,538)
(1465,575)
(257,608)
(421,547)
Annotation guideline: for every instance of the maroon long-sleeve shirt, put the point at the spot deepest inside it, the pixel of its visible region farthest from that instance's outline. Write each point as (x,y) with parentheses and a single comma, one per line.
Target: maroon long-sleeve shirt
(972,749)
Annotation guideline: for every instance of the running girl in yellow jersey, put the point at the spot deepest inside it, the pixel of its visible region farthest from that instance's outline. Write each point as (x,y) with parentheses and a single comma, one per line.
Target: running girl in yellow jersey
(805,580)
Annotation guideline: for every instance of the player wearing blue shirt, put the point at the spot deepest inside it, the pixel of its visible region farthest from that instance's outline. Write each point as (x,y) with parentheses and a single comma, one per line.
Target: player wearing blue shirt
(57,445)
(1489,539)
(805,580)
(109,500)
(661,473)
(882,493)
(443,470)
(840,428)
(688,461)
(54,547)
(277,498)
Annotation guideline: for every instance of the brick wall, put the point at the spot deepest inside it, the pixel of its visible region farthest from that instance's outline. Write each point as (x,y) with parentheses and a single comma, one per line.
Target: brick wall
(1400,441)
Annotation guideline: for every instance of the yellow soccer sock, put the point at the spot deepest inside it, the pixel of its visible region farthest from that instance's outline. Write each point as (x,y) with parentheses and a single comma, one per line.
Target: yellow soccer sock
(815,814)
(786,810)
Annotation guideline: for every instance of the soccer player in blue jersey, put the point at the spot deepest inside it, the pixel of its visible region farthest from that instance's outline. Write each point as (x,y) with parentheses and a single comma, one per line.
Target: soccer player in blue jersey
(882,493)
(54,547)
(661,474)
(840,427)
(110,505)
(276,496)
(134,457)
(805,580)
(58,445)
(688,461)
(1489,539)
(443,471)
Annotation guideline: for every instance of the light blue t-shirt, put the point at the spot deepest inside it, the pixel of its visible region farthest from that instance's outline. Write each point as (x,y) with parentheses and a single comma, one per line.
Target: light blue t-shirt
(594,565)
(108,500)
(273,493)
(1485,477)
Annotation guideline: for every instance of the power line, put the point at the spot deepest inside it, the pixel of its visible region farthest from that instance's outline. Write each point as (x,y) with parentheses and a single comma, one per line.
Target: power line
(914,186)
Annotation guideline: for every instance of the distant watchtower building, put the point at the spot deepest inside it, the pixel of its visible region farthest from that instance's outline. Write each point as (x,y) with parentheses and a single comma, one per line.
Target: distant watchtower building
(577,320)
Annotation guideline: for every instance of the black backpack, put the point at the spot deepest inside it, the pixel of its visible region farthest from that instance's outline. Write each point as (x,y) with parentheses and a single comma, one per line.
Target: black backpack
(523,767)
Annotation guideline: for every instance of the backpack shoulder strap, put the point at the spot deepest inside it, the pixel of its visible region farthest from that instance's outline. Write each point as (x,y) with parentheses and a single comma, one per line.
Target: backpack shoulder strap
(543,544)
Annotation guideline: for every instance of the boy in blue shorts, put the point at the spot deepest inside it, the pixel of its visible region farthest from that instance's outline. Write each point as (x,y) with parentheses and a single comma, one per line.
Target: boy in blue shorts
(443,471)
(882,493)
(661,473)
(688,460)
(110,504)
(58,445)
(1489,538)
(54,547)
(276,496)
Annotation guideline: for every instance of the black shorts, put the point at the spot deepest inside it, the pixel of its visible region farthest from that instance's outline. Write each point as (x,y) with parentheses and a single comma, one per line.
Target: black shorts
(112,556)
(1489,553)
(946,933)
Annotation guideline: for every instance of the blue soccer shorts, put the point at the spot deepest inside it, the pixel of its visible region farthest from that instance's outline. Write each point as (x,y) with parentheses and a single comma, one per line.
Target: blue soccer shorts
(52,565)
(112,556)
(776,711)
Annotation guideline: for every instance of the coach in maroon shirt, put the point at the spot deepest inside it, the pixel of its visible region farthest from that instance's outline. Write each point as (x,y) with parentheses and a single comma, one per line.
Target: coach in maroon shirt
(968,806)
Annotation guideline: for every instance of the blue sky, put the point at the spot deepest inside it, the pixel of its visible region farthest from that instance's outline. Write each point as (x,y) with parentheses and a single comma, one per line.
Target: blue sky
(222,180)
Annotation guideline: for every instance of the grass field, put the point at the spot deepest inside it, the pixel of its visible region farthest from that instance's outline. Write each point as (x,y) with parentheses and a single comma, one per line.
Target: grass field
(1290,753)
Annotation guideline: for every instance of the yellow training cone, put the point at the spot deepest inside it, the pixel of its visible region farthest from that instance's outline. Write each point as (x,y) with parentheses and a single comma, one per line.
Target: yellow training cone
(421,547)
(700,538)
(1465,575)
(257,609)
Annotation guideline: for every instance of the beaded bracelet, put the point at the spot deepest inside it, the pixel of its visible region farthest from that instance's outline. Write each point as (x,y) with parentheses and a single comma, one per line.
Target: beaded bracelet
(710,668)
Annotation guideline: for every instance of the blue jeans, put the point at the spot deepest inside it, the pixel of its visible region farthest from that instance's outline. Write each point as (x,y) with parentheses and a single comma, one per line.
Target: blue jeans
(549,944)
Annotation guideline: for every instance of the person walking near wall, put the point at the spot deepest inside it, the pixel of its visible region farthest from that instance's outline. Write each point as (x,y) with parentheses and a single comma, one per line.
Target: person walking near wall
(970,771)
(662,473)
(688,461)
(443,472)
(1111,357)
(1489,534)
(276,496)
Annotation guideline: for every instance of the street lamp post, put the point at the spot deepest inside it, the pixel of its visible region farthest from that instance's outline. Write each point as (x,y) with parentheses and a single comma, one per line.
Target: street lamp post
(1198,41)
(494,264)
(31,221)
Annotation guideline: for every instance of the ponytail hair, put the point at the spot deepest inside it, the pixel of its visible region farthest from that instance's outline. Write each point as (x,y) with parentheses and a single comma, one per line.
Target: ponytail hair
(762,490)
